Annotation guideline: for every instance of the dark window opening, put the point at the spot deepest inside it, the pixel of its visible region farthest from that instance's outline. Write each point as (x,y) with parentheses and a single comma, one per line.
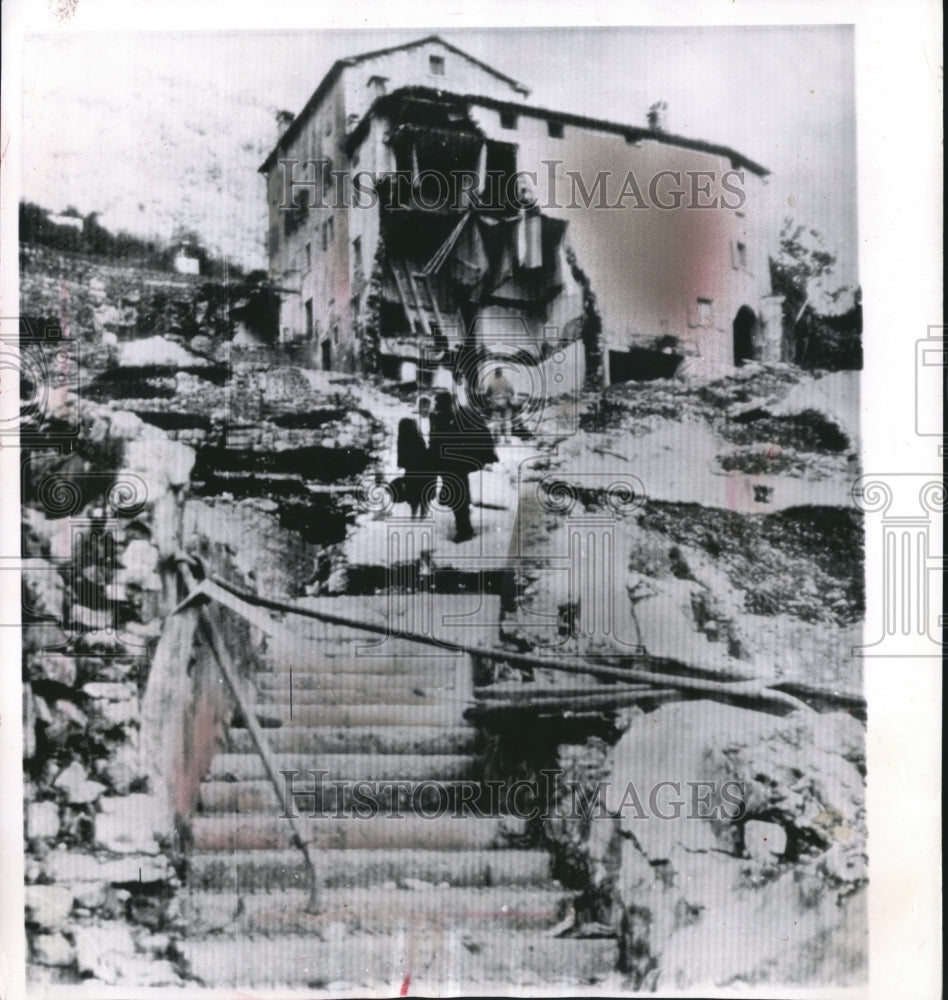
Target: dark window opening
(436,65)
(508,119)
(308,309)
(327,177)
(554,130)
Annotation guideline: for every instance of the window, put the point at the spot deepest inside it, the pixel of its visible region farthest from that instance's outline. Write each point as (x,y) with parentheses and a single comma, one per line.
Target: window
(357,253)
(308,309)
(327,233)
(705,312)
(327,177)
(554,130)
(327,128)
(739,255)
(308,256)
(377,84)
(508,119)
(436,65)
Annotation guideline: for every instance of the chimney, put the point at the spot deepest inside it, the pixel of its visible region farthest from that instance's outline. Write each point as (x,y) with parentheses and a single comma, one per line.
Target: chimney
(283,119)
(658,117)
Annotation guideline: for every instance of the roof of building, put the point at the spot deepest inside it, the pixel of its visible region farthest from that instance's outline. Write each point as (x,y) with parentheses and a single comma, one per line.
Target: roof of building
(340,64)
(632,133)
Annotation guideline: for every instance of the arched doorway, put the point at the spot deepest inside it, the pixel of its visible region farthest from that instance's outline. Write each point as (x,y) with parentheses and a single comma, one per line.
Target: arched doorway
(746,327)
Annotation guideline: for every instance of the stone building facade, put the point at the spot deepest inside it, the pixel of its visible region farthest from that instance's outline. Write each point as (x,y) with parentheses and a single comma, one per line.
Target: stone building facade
(418,205)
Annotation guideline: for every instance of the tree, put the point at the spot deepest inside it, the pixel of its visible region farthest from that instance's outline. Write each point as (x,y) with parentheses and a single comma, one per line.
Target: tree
(803,273)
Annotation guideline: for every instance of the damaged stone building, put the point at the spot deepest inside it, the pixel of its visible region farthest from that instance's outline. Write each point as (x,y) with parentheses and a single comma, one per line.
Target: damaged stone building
(422,214)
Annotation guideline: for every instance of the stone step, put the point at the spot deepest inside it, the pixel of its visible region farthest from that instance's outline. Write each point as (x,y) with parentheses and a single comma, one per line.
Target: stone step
(415,693)
(350,766)
(427,797)
(446,713)
(345,660)
(372,909)
(361,739)
(449,960)
(261,832)
(253,871)
(304,681)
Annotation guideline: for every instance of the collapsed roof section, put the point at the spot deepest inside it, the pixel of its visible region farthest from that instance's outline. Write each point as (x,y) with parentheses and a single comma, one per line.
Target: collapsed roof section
(454,252)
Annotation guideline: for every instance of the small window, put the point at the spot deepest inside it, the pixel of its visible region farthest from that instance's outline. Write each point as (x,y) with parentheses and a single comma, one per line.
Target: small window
(508,119)
(554,130)
(327,177)
(327,233)
(308,256)
(377,86)
(436,65)
(741,253)
(327,128)
(705,312)
(357,253)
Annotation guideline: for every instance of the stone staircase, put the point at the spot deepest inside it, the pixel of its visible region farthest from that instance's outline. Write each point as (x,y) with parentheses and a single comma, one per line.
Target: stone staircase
(428,894)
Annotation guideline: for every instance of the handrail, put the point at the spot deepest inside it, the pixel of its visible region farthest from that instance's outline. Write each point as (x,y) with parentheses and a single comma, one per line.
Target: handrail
(774,696)
(222,658)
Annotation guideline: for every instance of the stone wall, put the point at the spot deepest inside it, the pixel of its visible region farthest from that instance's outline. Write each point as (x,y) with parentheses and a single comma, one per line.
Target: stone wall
(102,834)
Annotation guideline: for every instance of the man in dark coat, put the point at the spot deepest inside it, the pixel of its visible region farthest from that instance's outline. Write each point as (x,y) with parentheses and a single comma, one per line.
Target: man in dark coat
(460,443)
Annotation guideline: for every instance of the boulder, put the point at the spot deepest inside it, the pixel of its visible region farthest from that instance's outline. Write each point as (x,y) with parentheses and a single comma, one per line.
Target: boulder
(158,351)
(139,563)
(764,842)
(126,824)
(75,784)
(103,949)
(52,949)
(53,666)
(737,846)
(48,906)
(43,588)
(42,820)
(122,769)
(162,463)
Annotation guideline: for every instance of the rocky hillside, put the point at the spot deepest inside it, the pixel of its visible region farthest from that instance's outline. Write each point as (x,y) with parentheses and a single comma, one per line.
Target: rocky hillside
(721,508)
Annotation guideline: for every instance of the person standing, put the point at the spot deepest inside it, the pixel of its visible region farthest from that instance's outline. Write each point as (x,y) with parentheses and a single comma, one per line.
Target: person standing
(448,459)
(415,458)
(499,394)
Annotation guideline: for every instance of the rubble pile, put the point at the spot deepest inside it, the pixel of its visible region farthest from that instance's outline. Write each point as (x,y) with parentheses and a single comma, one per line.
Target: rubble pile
(764,882)
(743,558)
